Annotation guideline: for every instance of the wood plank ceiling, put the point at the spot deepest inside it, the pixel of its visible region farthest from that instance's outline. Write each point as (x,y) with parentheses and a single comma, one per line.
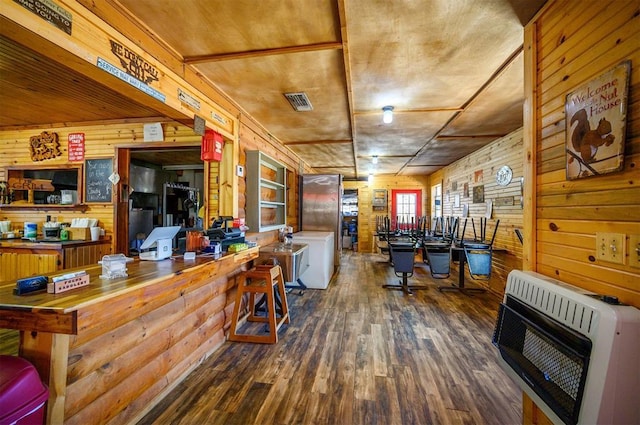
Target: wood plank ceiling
(452,70)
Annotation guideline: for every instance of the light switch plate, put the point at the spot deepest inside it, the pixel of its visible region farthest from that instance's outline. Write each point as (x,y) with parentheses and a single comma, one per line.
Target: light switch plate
(634,250)
(610,247)
(239,171)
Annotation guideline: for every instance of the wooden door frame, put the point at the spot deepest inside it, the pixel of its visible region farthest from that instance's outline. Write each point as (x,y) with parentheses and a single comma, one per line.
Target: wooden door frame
(394,192)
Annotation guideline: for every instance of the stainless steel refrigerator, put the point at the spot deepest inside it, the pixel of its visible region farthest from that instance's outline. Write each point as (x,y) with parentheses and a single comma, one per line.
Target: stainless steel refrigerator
(321,207)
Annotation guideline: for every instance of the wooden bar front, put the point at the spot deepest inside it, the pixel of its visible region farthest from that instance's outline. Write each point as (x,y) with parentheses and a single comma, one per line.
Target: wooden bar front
(109,351)
(20,258)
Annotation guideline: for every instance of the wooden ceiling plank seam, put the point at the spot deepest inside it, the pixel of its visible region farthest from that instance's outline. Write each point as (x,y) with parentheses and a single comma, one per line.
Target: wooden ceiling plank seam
(330,45)
(342,16)
(410,111)
(317,142)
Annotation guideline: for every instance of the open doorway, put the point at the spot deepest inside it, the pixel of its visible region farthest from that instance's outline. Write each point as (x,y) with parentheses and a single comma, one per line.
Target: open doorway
(350,219)
(164,186)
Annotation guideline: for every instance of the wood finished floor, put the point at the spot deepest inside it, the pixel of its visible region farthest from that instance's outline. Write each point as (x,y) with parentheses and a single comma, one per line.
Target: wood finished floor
(358,354)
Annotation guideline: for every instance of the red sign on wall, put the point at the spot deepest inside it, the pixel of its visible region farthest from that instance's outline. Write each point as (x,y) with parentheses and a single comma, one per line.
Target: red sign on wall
(76,146)
(212,145)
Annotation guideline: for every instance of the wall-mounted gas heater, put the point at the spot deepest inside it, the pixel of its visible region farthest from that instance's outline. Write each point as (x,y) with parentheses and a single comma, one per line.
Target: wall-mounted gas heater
(575,353)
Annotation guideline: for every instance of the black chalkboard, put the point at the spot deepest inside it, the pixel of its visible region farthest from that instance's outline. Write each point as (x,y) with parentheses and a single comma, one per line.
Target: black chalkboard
(97,186)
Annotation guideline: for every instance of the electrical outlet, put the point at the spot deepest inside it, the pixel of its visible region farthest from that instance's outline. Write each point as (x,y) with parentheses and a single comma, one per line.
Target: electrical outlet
(610,247)
(634,250)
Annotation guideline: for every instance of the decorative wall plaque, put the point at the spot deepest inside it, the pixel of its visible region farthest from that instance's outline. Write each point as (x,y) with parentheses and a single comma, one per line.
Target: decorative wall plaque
(504,175)
(44,146)
(596,117)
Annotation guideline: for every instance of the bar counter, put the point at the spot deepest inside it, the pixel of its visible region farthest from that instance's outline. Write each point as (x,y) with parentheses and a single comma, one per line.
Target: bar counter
(110,350)
(21,258)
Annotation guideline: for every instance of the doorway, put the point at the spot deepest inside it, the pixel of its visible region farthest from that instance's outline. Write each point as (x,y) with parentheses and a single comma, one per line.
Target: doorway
(160,186)
(350,219)
(406,207)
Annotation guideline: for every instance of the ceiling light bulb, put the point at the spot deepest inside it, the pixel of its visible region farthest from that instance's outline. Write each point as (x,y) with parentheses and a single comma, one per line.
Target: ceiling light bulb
(374,159)
(387,114)
(370,179)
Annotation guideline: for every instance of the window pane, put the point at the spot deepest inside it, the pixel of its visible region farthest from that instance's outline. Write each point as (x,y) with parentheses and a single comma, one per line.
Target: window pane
(406,205)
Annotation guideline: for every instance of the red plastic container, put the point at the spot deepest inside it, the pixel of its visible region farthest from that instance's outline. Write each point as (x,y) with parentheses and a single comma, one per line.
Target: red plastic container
(22,393)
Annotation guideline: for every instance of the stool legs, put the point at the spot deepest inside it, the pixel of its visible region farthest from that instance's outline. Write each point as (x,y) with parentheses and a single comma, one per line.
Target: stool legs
(269,282)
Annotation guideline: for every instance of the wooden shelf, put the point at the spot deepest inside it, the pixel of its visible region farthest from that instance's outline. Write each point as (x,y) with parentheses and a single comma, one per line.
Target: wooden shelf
(44,207)
(266,193)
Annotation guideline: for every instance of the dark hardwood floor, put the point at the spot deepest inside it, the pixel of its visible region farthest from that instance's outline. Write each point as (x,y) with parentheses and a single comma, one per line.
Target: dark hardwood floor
(358,354)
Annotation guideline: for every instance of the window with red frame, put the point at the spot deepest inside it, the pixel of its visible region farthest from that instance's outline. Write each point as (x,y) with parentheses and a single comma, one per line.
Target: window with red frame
(406,207)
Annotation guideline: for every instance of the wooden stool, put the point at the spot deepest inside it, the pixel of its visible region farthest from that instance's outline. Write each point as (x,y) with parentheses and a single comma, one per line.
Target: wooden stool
(266,280)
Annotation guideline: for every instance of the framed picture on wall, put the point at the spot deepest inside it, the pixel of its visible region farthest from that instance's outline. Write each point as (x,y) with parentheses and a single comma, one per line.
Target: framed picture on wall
(596,118)
(379,199)
(478,194)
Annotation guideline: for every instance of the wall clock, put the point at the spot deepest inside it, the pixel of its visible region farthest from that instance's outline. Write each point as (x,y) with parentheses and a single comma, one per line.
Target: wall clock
(504,175)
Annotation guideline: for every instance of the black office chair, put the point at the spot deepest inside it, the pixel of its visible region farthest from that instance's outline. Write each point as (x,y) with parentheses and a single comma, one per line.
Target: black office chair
(403,256)
(439,259)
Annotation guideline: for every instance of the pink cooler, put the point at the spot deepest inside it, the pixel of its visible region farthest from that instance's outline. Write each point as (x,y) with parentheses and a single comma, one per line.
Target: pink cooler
(22,394)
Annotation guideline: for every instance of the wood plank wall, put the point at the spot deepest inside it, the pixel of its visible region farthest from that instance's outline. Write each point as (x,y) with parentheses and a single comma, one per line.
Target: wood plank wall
(576,42)
(479,169)
(366,215)
(100,142)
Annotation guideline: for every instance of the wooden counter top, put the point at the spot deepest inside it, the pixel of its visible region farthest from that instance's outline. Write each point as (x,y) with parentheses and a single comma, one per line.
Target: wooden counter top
(56,310)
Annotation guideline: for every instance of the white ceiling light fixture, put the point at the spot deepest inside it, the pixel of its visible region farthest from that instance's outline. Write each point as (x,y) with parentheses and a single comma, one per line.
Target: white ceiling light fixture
(370,178)
(374,159)
(387,114)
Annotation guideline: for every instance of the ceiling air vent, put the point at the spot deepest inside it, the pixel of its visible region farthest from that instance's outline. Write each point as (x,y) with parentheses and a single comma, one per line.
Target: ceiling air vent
(299,101)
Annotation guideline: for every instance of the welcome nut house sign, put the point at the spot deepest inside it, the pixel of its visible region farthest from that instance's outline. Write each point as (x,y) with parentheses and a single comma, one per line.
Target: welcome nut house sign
(596,115)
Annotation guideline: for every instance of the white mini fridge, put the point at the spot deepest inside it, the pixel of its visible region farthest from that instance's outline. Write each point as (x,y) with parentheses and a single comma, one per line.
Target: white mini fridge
(321,264)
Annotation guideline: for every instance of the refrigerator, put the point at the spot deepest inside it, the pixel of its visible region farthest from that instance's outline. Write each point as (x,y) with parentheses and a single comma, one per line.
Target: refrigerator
(321,207)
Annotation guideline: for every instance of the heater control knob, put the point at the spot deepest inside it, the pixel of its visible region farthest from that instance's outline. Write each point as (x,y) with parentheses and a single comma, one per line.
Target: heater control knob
(610,299)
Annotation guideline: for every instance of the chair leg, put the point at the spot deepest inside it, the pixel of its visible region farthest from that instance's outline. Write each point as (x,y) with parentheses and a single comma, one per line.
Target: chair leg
(273,329)
(283,298)
(233,334)
(404,285)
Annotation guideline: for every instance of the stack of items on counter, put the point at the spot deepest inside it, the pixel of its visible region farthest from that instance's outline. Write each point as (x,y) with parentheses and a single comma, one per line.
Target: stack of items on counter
(84,229)
(57,285)
(5,230)
(51,229)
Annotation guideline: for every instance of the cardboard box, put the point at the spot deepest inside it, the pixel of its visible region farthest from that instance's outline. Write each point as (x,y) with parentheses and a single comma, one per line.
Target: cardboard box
(79,233)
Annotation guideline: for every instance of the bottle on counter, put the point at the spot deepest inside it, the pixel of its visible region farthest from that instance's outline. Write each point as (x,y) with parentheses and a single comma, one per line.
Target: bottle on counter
(64,234)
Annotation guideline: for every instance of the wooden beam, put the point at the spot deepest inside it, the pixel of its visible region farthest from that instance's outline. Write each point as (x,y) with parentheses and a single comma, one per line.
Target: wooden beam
(405,111)
(477,136)
(190,60)
(317,142)
(530,121)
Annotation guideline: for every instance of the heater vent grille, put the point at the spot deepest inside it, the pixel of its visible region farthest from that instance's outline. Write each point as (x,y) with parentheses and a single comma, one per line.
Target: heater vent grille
(299,101)
(576,315)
